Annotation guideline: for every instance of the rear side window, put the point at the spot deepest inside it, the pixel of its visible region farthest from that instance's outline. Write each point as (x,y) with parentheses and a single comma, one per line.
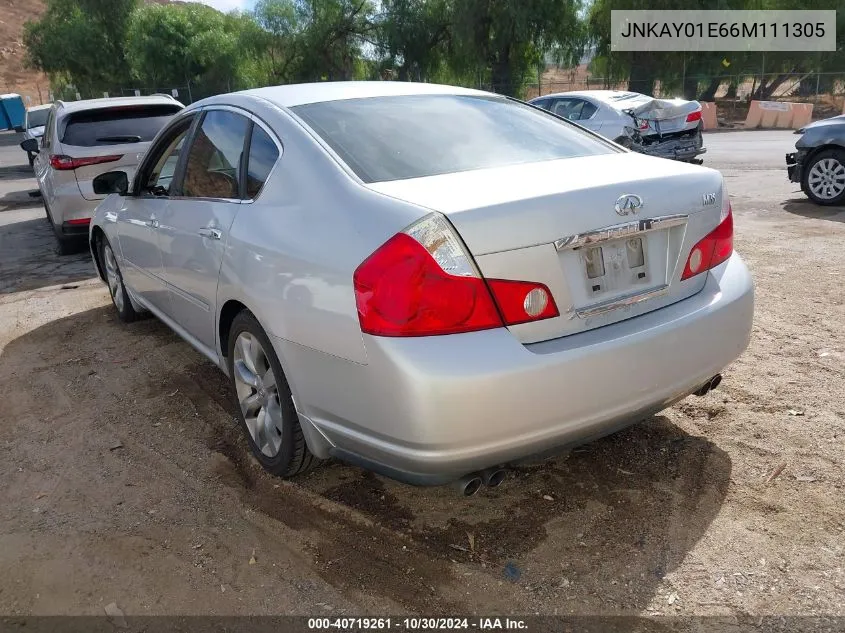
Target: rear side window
(394,138)
(263,154)
(214,160)
(116,126)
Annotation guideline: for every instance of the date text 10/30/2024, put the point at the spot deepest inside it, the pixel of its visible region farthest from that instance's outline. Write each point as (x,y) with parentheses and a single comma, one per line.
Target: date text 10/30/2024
(417,624)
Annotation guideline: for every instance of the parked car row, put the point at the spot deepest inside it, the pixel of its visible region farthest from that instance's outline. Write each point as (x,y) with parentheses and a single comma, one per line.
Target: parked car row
(428,281)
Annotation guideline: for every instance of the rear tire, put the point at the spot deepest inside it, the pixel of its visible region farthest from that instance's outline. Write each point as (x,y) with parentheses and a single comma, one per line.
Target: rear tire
(264,401)
(117,289)
(823,177)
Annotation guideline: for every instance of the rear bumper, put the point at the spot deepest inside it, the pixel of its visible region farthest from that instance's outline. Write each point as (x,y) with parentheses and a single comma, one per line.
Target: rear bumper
(75,229)
(67,204)
(429,410)
(676,149)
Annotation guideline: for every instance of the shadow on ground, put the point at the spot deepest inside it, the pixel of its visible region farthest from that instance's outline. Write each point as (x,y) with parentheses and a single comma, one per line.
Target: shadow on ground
(593,531)
(14,172)
(807,209)
(28,258)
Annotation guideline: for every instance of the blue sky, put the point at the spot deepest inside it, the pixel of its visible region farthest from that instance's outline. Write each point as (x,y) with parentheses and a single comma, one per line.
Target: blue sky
(228,5)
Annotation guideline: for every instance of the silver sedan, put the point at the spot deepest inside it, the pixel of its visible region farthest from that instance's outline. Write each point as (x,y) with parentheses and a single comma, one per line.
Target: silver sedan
(428,281)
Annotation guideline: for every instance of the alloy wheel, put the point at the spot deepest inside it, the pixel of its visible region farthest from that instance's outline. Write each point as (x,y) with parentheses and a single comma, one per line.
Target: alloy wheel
(113,278)
(827,178)
(258,394)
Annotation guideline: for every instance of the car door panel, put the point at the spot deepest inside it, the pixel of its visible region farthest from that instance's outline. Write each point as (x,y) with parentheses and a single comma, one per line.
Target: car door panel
(143,270)
(139,220)
(194,230)
(192,237)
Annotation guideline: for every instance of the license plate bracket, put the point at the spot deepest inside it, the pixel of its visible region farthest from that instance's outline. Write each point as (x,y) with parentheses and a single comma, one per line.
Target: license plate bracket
(616,265)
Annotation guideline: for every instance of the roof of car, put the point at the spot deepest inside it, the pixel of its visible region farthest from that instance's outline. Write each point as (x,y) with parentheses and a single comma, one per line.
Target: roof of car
(39,107)
(299,94)
(606,96)
(68,107)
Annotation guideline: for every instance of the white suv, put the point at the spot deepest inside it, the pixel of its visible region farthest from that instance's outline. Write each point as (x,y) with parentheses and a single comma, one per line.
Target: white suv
(83,139)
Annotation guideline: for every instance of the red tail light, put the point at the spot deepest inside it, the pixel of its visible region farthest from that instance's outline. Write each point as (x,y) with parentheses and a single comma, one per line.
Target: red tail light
(79,221)
(422,282)
(694,116)
(522,301)
(402,291)
(715,248)
(64,163)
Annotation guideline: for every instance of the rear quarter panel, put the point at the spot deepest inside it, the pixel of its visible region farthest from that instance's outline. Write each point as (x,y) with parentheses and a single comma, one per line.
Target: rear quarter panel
(291,253)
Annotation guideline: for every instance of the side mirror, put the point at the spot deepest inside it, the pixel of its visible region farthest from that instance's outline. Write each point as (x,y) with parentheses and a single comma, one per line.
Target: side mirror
(30,145)
(111,182)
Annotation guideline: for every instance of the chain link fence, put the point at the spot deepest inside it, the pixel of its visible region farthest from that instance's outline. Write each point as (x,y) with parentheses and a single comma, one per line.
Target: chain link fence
(731,92)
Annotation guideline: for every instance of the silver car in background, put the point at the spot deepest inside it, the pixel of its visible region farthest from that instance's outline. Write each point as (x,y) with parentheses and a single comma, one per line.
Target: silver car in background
(33,126)
(82,139)
(428,281)
(668,128)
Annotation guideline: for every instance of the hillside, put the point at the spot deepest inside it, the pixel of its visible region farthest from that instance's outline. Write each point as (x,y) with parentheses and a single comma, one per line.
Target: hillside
(14,77)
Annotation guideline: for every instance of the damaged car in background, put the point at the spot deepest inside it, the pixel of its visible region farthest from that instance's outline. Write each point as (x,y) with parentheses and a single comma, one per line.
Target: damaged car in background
(818,163)
(668,128)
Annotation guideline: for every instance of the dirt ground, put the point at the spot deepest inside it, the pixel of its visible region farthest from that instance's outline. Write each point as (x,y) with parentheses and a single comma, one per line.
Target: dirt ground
(126,480)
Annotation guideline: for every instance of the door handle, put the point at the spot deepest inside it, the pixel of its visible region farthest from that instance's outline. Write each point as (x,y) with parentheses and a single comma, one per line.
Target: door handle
(152,223)
(212,234)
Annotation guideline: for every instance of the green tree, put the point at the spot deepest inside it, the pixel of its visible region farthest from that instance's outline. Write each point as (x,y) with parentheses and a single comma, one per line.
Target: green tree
(333,34)
(414,36)
(509,38)
(81,42)
(191,44)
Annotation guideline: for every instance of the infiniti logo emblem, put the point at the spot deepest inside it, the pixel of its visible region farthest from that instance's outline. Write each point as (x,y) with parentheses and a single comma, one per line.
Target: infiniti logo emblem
(628,203)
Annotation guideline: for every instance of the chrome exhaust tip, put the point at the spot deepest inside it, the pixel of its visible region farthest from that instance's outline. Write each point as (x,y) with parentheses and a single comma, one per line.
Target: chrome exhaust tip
(493,477)
(468,485)
(715,381)
(708,386)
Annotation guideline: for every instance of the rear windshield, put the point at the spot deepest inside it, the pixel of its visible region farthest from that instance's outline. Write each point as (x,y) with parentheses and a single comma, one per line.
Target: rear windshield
(394,138)
(37,118)
(116,126)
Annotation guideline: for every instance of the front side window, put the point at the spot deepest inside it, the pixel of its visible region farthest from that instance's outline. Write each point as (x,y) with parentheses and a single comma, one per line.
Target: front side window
(263,154)
(394,138)
(160,179)
(214,159)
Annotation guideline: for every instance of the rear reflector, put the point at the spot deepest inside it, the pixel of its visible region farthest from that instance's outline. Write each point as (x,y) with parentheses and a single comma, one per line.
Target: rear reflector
(64,163)
(78,221)
(423,282)
(694,116)
(715,248)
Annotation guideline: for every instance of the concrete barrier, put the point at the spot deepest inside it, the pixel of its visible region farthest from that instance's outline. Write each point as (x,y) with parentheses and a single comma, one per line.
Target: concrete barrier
(778,114)
(708,115)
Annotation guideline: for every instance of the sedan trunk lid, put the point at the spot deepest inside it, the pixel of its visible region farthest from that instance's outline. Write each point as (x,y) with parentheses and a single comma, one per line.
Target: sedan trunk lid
(608,235)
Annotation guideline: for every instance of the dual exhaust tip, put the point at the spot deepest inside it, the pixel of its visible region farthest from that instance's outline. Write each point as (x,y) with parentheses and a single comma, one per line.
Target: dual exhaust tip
(468,485)
(710,385)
